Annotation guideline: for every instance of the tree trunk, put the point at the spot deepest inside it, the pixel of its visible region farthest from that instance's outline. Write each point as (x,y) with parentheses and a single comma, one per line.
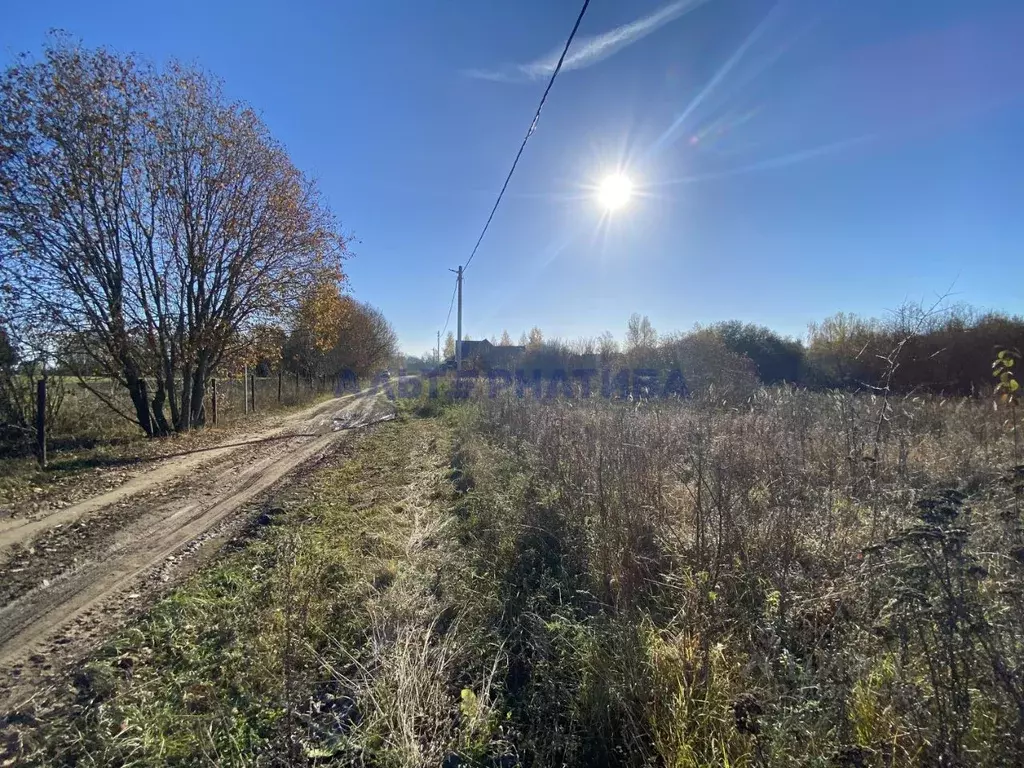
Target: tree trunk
(184,421)
(198,416)
(169,394)
(136,385)
(160,425)
(137,391)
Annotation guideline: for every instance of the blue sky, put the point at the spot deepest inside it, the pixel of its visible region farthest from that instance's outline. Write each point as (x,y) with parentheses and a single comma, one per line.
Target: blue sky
(793,158)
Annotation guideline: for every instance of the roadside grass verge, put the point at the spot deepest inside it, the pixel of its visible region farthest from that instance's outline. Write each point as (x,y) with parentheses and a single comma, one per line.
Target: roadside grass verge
(427,397)
(260,657)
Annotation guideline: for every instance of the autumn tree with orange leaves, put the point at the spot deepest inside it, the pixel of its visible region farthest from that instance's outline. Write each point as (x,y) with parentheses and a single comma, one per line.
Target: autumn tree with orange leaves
(336,335)
(322,314)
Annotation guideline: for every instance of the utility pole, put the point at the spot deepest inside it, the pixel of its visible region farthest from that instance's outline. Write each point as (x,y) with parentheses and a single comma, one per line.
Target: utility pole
(437,355)
(458,335)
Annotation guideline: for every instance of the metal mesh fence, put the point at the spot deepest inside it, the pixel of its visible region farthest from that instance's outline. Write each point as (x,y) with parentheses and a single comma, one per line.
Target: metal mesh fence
(266,394)
(88,410)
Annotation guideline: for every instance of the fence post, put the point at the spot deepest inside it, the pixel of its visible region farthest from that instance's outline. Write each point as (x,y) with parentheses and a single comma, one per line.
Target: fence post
(245,389)
(252,391)
(41,421)
(280,379)
(213,402)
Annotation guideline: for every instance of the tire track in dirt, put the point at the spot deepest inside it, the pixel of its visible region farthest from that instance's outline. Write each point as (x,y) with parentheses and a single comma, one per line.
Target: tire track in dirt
(19,530)
(148,536)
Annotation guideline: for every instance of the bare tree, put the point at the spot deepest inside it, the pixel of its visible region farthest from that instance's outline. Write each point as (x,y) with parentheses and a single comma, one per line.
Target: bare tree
(150,220)
(607,347)
(68,129)
(640,334)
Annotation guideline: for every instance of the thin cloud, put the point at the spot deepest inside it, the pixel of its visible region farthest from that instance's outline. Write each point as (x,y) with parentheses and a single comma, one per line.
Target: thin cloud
(590,50)
(780,161)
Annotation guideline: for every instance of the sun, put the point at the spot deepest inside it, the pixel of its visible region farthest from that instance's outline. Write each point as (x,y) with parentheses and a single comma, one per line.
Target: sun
(615,191)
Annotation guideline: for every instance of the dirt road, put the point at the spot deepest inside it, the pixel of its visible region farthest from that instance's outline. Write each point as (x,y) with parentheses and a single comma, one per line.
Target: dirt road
(61,570)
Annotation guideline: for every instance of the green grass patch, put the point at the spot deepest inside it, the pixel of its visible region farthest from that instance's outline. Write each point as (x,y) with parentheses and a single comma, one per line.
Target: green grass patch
(243,663)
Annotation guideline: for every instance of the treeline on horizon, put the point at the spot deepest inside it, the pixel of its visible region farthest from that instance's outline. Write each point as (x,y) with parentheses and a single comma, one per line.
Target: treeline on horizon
(914,350)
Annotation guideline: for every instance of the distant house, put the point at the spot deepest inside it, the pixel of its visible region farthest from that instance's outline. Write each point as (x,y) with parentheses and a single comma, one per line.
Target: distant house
(484,356)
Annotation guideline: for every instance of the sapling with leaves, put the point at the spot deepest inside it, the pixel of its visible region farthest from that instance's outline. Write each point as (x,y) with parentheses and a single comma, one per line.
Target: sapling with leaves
(1007,387)
(1006,390)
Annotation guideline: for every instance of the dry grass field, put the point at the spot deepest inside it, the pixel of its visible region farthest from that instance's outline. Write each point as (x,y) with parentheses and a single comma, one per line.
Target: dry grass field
(797,578)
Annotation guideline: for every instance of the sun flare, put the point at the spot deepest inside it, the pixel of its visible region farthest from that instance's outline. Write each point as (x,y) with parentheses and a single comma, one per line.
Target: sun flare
(615,191)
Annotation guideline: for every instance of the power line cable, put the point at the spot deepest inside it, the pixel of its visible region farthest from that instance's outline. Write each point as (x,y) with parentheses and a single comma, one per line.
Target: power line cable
(529,133)
(450,305)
